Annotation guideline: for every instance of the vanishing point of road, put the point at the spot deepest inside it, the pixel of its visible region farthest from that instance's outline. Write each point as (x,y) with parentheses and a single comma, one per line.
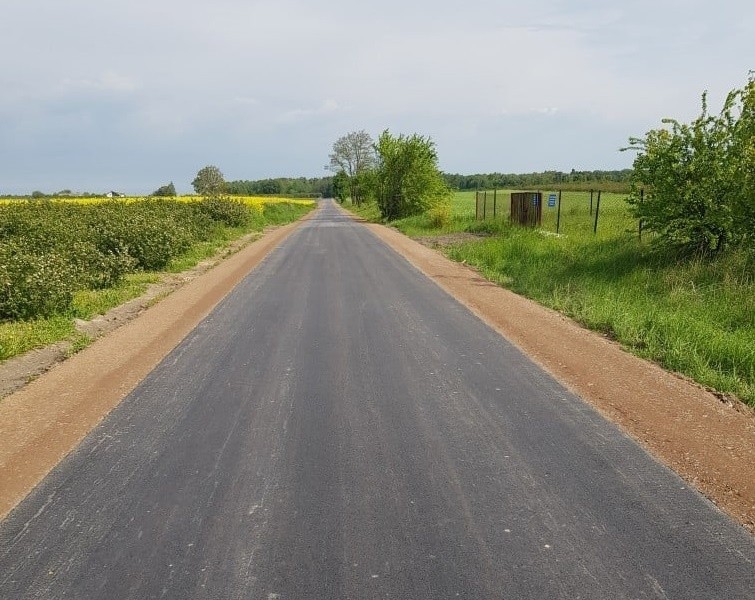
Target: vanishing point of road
(339,427)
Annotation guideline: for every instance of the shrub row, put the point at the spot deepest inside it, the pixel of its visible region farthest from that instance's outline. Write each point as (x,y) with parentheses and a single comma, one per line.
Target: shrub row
(48,251)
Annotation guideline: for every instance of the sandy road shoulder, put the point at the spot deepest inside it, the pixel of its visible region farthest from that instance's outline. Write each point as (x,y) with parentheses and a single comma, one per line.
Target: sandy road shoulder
(43,421)
(709,443)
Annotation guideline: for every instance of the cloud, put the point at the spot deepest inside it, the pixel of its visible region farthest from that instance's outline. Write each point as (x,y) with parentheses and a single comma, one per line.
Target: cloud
(266,86)
(108,81)
(299,114)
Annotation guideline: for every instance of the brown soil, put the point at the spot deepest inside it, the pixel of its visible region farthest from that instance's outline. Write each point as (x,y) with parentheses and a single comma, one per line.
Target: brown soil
(708,442)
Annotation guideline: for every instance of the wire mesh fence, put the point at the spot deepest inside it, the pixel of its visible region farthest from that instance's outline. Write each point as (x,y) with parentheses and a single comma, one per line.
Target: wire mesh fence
(560,212)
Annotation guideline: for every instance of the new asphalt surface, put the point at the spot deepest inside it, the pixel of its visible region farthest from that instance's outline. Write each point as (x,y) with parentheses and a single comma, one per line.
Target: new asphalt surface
(340,427)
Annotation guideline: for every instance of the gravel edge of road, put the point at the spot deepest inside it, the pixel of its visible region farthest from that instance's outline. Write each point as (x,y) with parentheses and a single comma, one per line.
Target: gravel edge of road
(709,443)
(48,417)
(18,371)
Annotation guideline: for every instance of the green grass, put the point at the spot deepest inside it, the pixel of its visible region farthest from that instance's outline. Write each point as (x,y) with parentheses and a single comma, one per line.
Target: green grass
(695,317)
(368,211)
(221,238)
(89,303)
(271,215)
(281,214)
(21,336)
(577,218)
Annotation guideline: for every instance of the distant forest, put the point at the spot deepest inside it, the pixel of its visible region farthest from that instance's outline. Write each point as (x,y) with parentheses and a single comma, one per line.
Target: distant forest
(301,187)
(314,187)
(614,181)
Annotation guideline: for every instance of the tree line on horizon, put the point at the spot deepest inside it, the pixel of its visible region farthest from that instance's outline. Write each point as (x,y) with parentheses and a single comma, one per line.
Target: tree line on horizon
(618,179)
(324,186)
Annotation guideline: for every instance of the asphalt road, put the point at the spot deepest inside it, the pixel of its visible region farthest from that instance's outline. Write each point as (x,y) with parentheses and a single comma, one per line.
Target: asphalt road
(339,427)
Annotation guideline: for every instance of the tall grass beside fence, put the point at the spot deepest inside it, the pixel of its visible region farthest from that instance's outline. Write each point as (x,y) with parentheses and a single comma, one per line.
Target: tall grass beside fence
(696,317)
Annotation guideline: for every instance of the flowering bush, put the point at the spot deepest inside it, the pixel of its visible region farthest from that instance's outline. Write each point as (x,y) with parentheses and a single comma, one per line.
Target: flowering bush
(50,249)
(35,284)
(233,213)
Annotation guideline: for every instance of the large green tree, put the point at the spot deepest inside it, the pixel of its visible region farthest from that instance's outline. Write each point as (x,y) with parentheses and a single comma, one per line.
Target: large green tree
(340,186)
(407,180)
(209,182)
(354,155)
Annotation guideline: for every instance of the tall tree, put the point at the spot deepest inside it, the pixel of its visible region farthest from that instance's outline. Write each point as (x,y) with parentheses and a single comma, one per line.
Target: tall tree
(353,154)
(209,182)
(340,186)
(165,190)
(407,180)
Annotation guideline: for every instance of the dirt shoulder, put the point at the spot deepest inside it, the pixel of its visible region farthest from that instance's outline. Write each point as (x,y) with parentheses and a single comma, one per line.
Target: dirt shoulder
(711,444)
(45,419)
(18,371)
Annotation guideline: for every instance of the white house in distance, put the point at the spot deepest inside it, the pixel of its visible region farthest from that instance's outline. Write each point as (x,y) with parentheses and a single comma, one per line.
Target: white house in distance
(112,194)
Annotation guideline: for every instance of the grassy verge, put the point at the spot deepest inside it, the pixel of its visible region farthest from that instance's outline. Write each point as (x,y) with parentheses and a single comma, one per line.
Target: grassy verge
(694,317)
(17,337)
(368,211)
(21,336)
(89,303)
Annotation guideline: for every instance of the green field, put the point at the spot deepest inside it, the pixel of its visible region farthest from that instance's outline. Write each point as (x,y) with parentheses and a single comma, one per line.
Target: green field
(577,218)
(696,317)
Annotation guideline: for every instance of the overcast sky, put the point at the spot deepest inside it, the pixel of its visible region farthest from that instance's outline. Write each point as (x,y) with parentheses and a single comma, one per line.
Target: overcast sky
(132,94)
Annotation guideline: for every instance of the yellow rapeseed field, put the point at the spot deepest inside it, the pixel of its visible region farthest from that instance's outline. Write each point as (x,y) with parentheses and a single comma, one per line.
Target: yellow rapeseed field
(256,202)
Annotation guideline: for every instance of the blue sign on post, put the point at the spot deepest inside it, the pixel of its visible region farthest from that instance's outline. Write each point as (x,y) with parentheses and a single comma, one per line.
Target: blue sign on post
(551,200)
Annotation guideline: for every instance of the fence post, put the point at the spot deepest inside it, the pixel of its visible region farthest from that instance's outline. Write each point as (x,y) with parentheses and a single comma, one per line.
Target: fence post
(484,204)
(558,213)
(642,198)
(477,205)
(597,211)
(590,202)
(495,198)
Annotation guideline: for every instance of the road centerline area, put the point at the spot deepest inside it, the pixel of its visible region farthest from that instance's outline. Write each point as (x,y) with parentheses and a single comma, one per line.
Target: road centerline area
(340,427)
